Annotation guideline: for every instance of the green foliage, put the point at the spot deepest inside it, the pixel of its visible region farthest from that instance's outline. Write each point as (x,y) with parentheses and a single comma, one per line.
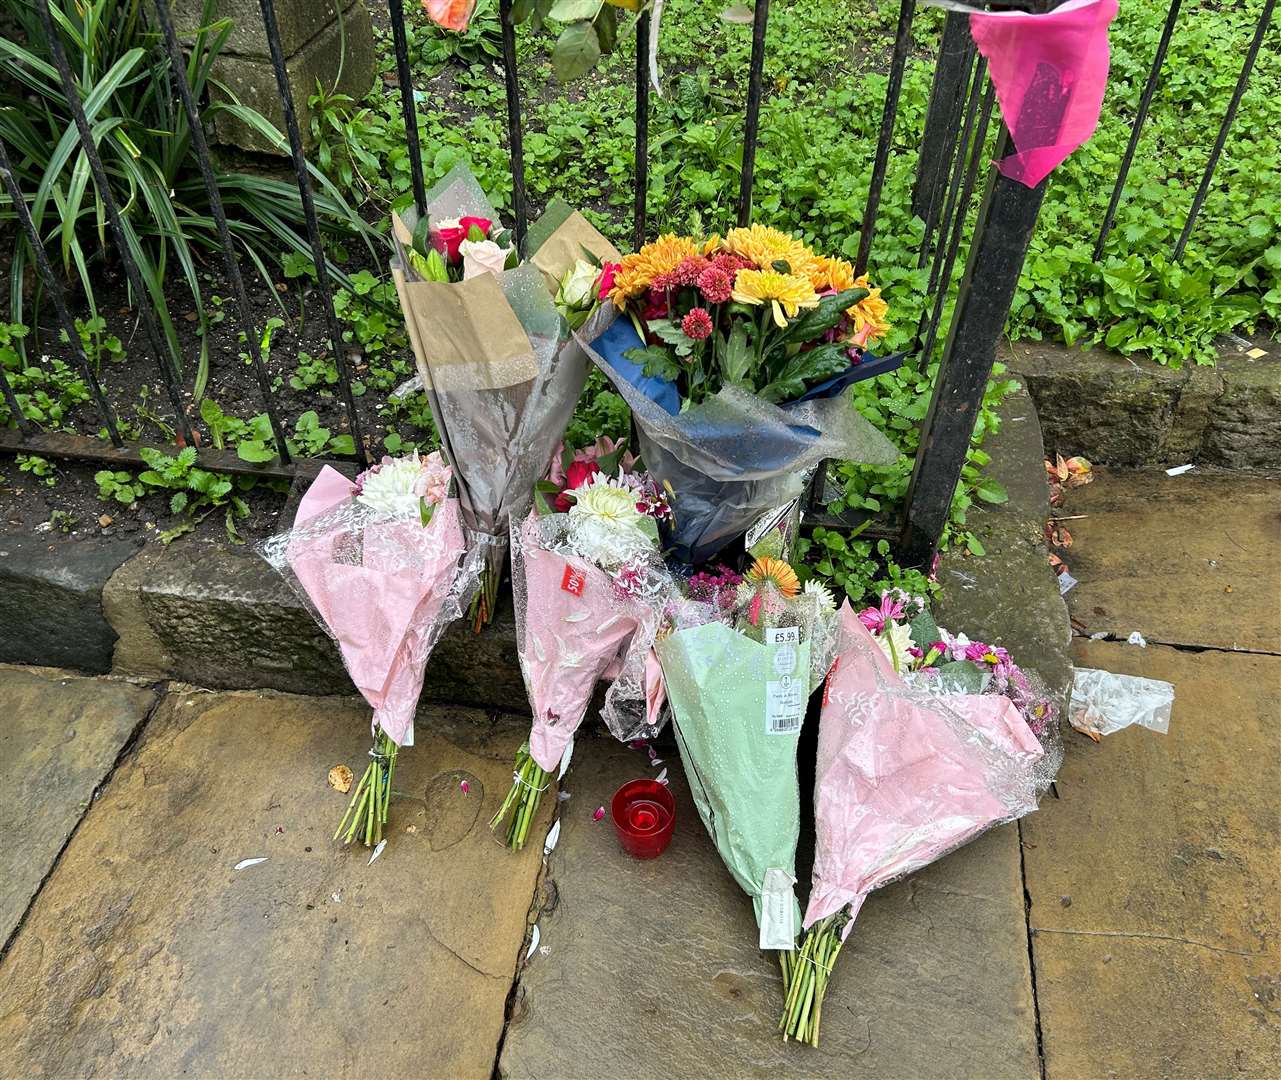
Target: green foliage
(143,138)
(46,391)
(118,485)
(40,468)
(862,568)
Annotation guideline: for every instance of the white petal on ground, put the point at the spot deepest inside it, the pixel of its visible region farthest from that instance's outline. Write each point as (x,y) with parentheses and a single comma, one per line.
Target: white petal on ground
(533,941)
(553,837)
(249,862)
(377,851)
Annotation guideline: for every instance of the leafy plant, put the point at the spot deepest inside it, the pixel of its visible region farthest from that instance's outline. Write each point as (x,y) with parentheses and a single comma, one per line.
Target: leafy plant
(118,485)
(145,145)
(46,392)
(40,468)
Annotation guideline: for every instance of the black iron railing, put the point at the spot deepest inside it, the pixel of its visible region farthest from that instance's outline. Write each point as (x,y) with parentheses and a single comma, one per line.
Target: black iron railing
(952,152)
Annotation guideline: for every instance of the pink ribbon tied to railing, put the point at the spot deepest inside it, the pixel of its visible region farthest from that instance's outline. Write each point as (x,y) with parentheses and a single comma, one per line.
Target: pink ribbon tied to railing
(1050,71)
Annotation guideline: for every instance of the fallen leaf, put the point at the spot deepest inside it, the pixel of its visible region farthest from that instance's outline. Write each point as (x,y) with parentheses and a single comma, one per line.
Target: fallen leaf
(1094,735)
(340,778)
(411,829)
(105,520)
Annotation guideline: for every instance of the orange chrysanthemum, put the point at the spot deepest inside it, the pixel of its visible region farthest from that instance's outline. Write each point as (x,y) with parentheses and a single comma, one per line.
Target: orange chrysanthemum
(638,270)
(868,315)
(774,572)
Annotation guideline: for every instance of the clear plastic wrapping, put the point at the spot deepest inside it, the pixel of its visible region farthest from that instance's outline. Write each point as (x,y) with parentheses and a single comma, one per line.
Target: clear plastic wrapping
(734,456)
(906,773)
(577,623)
(383,586)
(1104,702)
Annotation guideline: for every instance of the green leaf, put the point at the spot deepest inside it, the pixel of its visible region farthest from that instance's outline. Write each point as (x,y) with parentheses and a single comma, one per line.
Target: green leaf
(254,451)
(736,360)
(342,445)
(806,368)
(569,11)
(657,362)
(576,51)
(812,324)
(991,492)
(925,630)
(606,24)
(960,677)
(177,502)
(153,478)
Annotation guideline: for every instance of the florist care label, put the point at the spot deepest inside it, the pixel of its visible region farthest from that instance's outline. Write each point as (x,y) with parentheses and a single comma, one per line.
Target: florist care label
(778,910)
(784,694)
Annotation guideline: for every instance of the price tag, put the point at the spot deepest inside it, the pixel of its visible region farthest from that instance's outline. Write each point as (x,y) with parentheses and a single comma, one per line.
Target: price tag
(785,695)
(574,581)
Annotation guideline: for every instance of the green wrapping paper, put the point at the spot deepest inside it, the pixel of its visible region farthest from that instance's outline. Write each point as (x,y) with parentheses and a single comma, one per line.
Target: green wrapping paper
(738,706)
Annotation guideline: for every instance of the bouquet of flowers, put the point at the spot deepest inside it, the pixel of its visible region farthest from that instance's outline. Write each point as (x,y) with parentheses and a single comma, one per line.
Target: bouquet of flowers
(384,565)
(589,586)
(735,358)
(907,771)
(739,662)
(495,357)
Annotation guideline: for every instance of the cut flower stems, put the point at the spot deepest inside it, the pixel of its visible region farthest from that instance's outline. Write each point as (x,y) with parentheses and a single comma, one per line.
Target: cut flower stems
(367,812)
(529,781)
(806,973)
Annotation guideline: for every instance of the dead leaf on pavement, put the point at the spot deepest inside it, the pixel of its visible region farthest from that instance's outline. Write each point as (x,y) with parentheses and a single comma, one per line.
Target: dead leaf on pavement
(1093,735)
(340,778)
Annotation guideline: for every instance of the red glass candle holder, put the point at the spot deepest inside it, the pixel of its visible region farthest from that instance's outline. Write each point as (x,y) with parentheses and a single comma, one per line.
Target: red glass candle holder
(644,814)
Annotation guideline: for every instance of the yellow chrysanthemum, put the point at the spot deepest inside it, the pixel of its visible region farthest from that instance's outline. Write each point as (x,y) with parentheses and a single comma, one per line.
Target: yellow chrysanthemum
(638,270)
(774,572)
(766,246)
(712,244)
(868,315)
(786,293)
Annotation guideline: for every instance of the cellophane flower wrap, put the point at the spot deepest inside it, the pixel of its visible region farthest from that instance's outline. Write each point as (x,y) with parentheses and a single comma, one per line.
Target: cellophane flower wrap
(906,773)
(590,587)
(384,565)
(737,374)
(738,672)
(500,371)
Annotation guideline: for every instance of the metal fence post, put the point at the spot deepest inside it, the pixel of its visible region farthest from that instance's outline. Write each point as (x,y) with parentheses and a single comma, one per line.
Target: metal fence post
(751,128)
(1002,233)
(404,75)
(640,160)
(515,143)
(944,111)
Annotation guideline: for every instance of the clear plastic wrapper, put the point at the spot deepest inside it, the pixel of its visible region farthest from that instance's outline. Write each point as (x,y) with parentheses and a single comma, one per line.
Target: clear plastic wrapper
(735,456)
(577,623)
(1104,702)
(906,774)
(738,705)
(383,586)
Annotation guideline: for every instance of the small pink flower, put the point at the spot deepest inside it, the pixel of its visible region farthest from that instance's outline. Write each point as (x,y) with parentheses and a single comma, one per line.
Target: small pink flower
(715,285)
(598,813)
(697,324)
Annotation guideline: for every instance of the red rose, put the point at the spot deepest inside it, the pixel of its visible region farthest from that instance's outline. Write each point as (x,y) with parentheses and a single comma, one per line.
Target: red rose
(448,239)
(607,279)
(578,473)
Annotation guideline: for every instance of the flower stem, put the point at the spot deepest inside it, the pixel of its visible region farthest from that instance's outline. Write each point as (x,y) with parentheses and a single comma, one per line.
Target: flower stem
(522,801)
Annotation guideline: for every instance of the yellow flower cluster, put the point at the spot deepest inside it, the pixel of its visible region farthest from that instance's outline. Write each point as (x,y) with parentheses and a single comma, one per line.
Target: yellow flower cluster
(787,275)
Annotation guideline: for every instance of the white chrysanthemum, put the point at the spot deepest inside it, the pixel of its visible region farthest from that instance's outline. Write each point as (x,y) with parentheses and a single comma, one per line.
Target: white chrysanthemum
(822,595)
(894,641)
(395,487)
(604,524)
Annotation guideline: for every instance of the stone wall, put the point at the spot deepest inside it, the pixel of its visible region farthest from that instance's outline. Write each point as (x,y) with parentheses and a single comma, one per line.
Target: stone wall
(321,41)
(1116,411)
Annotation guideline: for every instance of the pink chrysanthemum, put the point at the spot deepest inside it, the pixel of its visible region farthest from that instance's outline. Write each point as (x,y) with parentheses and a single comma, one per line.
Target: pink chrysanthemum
(715,285)
(697,324)
(689,271)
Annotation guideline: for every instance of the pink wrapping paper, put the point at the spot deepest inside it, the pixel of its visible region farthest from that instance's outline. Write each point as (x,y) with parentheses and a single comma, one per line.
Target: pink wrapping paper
(1050,72)
(904,776)
(382,610)
(576,624)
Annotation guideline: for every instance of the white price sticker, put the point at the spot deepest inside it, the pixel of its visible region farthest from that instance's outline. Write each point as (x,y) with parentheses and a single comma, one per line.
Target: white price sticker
(785,695)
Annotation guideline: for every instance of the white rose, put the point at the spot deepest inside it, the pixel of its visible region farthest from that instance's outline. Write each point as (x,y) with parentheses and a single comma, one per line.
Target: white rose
(482,257)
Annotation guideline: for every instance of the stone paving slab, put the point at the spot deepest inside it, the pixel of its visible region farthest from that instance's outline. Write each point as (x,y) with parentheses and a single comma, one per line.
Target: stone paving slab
(1187,560)
(148,955)
(651,968)
(1154,881)
(59,738)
